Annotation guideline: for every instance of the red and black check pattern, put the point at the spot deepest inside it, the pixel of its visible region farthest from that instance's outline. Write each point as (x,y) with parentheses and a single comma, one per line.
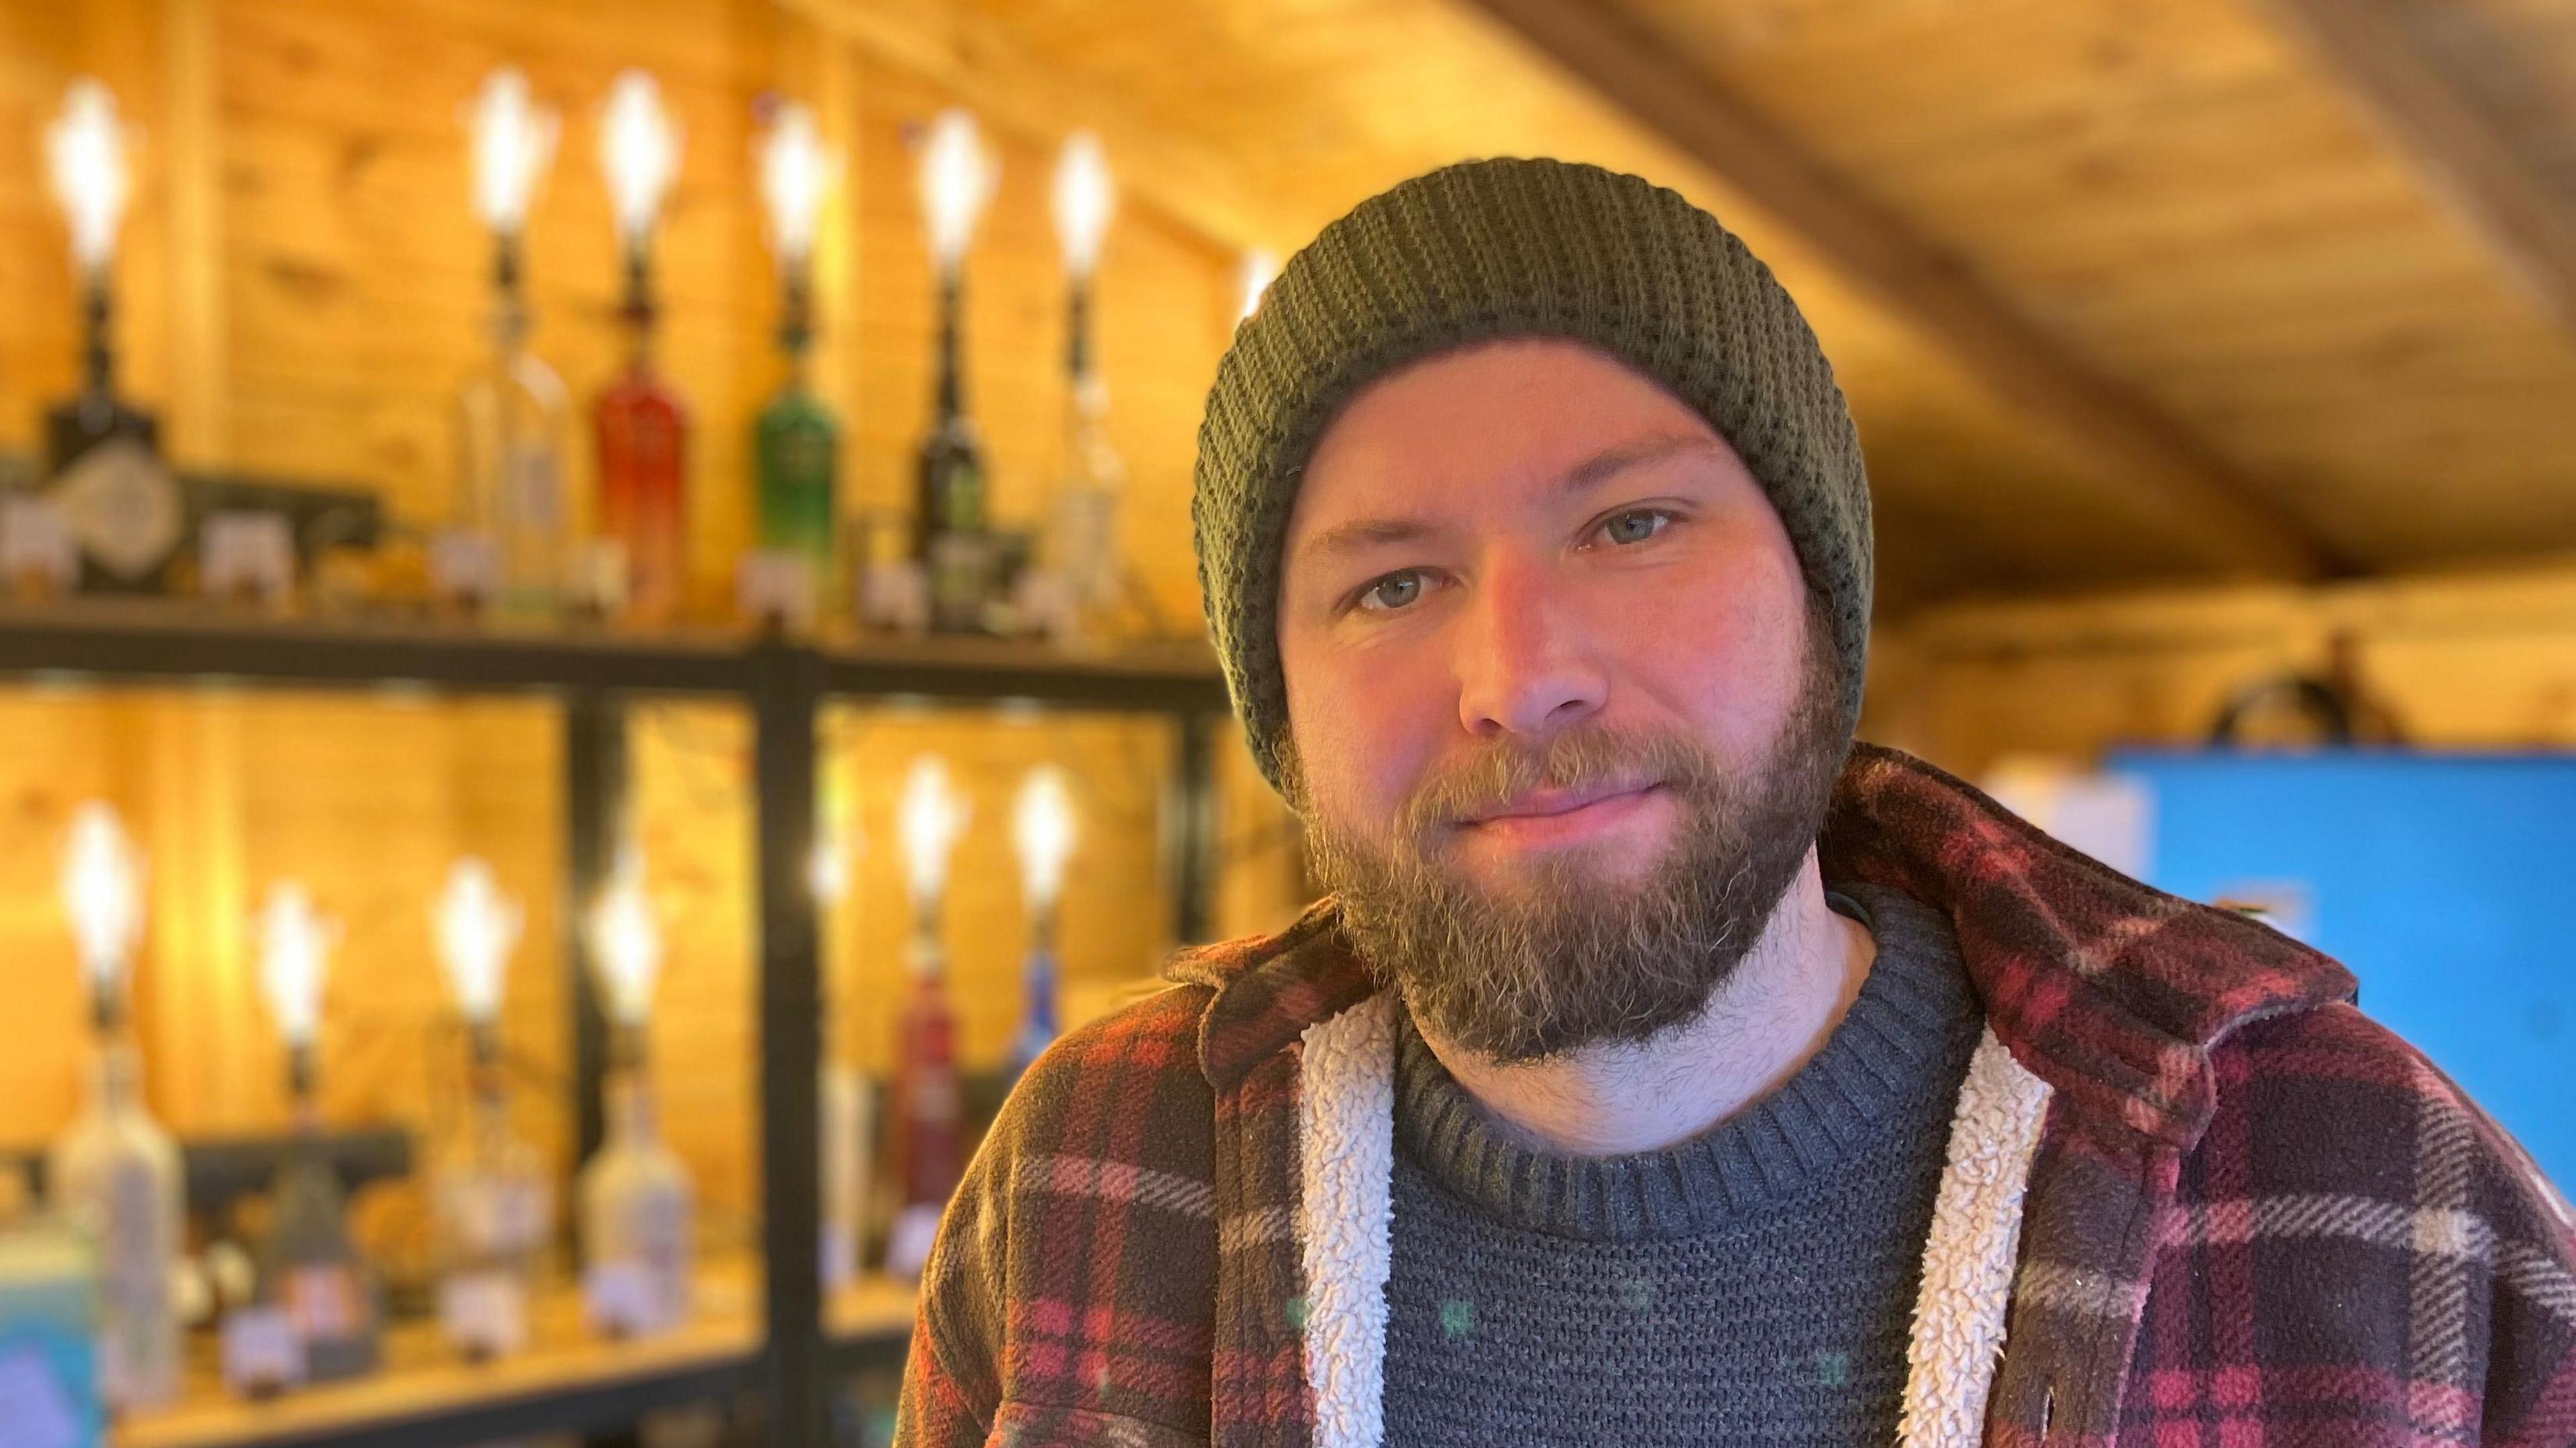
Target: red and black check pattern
(2255,1220)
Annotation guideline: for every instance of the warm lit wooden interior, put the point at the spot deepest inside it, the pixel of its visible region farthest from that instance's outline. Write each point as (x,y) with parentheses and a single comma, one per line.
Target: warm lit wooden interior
(2183,336)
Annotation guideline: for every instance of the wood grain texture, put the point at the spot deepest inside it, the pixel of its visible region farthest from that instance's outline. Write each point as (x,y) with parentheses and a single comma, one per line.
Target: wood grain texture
(2467,156)
(2237,524)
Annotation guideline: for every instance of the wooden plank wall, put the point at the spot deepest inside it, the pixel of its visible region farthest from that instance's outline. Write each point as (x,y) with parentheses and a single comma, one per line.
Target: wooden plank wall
(2481,661)
(303,289)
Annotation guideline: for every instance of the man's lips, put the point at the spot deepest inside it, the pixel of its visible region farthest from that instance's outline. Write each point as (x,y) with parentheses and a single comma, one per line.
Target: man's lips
(1551,803)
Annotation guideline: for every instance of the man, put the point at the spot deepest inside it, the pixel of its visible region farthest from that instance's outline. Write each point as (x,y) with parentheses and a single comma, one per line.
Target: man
(1665,1067)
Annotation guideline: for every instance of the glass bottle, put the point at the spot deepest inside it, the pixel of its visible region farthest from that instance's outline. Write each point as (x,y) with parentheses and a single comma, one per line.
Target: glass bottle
(106,473)
(1082,537)
(795,456)
(512,416)
(928,1155)
(642,429)
(310,1266)
(115,1174)
(495,1205)
(1040,1017)
(636,1210)
(845,1173)
(948,517)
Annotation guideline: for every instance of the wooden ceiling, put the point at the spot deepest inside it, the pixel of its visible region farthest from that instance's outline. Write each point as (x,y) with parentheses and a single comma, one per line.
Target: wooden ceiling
(2119,289)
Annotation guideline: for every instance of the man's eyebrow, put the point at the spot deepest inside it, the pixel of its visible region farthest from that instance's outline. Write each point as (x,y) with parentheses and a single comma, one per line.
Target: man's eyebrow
(1363,533)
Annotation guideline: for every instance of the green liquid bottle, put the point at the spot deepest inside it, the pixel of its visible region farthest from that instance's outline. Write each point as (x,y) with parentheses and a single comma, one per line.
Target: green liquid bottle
(796,457)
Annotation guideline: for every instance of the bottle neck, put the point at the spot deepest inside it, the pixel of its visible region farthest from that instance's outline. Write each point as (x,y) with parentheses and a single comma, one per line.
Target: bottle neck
(929,961)
(510,316)
(116,1076)
(796,323)
(631,1117)
(98,356)
(637,309)
(952,386)
(1077,356)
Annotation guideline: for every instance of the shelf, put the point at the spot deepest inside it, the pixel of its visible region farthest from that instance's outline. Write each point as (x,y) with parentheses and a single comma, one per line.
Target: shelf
(566,1382)
(173,639)
(166,639)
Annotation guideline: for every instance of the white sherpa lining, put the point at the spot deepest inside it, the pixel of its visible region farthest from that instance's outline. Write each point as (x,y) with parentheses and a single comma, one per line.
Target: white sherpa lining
(1968,1257)
(1346,1159)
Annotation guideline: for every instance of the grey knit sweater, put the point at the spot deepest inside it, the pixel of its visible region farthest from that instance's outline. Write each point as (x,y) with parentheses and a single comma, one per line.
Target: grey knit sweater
(1751,1285)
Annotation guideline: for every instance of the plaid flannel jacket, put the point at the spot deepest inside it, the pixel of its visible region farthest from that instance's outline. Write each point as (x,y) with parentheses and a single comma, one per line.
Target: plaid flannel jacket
(2253,1217)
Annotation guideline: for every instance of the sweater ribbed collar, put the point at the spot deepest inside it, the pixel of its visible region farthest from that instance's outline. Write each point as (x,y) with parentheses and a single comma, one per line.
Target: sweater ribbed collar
(1892,1064)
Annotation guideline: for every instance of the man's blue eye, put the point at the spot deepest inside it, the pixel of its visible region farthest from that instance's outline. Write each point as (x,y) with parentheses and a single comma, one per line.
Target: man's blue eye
(1635,527)
(1394,591)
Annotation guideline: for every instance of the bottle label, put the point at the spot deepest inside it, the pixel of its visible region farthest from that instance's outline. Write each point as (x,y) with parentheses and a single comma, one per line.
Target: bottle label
(261,1353)
(620,1298)
(123,506)
(322,1301)
(536,490)
(484,1313)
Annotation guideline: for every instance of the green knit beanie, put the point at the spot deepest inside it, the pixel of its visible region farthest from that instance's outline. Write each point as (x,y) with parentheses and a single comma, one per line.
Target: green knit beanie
(1505,247)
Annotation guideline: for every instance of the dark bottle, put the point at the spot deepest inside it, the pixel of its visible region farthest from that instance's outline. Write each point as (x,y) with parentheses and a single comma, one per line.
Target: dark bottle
(106,474)
(949,535)
(311,1266)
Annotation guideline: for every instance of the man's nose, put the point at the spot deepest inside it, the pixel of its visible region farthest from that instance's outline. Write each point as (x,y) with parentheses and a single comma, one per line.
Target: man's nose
(1527,664)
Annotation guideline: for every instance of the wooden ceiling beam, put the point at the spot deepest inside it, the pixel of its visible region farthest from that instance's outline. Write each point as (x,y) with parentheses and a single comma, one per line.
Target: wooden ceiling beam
(2467,158)
(953,46)
(2239,525)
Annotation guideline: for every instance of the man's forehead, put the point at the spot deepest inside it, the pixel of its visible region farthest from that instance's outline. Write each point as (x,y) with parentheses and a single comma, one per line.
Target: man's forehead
(1391,512)
(1527,414)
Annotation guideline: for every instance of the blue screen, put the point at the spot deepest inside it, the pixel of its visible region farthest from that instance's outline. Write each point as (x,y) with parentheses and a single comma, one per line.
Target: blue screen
(2443,881)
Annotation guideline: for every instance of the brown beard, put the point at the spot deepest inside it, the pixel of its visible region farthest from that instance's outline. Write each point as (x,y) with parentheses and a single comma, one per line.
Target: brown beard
(1566,959)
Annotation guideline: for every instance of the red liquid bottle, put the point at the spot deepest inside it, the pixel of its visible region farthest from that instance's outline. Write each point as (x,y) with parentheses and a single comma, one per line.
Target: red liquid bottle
(928,1155)
(643,433)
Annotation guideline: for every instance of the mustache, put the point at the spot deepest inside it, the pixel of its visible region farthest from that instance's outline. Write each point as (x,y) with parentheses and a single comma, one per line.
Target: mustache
(1486,780)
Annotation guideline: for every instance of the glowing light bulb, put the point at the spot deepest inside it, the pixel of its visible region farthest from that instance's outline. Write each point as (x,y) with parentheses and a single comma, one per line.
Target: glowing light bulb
(102,892)
(933,817)
(796,173)
(639,147)
(478,927)
(85,154)
(957,180)
(514,143)
(1043,831)
(1084,201)
(1260,268)
(295,943)
(626,941)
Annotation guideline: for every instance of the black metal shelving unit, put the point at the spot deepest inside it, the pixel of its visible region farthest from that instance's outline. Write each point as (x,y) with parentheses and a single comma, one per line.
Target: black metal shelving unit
(784,684)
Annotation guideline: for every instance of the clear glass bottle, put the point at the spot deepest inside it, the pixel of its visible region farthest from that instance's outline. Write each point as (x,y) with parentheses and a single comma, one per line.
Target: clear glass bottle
(115,1175)
(926,1130)
(637,1210)
(642,429)
(495,1201)
(310,1266)
(845,1173)
(949,524)
(512,418)
(1082,532)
